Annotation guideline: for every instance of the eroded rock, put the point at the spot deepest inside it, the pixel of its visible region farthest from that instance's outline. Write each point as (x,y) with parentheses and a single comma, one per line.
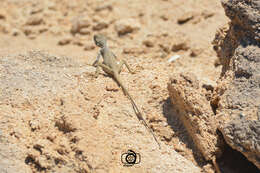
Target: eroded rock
(79,25)
(244,135)
(237,96)
(194,109)
(125,26)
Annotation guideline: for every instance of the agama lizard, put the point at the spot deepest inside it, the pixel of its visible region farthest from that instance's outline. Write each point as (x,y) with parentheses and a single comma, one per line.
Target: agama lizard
(112,66)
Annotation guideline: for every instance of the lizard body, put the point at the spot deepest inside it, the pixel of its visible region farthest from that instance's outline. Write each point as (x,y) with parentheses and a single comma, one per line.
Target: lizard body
(112,66)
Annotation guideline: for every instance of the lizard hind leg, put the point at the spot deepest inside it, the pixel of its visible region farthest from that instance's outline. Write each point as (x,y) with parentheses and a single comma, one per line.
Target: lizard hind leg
(106,68)
(120,65)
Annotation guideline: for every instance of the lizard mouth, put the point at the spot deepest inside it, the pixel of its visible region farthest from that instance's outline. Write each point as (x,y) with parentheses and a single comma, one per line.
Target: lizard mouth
(99,44)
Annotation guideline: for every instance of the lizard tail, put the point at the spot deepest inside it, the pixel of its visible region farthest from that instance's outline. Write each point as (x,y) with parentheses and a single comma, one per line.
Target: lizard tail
(138,113)
(140,117)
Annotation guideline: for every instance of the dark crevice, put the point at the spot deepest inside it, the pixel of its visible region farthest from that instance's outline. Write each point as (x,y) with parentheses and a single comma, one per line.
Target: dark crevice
(240,74)
(232,161)
(214,107)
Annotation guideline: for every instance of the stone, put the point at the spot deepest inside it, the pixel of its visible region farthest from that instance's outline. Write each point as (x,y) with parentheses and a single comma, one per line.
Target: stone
(195,112)
(64,41)
(148,43)
(125,26)
(34,20)
(195,51)
(99,26)
(78,24)
(244,136)
(185,17)
(180,42)
(89,46)
(236,99)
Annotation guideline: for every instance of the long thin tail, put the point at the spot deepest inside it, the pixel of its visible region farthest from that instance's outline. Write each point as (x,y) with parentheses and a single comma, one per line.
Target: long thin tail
(140,117)
(137,112)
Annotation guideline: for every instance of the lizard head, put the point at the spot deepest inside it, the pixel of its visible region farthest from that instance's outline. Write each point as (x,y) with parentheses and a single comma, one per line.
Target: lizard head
(100,40)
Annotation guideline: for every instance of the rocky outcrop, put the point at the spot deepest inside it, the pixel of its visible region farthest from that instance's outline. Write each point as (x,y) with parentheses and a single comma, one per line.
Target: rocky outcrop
(233,107)
(237,97)
(194,110)
(244,136)
(242,30)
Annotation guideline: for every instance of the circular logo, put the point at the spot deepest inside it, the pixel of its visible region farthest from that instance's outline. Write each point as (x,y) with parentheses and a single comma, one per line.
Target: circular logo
(130,158)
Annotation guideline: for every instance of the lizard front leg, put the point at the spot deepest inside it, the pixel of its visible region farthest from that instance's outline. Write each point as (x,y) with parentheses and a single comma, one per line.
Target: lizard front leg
(97,70)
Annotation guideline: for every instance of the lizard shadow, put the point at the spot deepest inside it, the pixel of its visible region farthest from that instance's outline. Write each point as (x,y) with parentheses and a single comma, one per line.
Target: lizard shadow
(180,132)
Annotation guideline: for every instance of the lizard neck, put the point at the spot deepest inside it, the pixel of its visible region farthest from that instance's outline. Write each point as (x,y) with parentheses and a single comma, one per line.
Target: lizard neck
(104,47)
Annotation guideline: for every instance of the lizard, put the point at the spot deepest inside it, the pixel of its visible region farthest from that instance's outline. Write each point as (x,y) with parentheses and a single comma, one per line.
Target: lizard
(112,66)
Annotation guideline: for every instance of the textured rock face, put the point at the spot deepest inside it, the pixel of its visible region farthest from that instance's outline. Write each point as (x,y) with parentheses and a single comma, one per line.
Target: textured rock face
(237,96)
(234,105)
(244,28)
(189,98)
(244,136)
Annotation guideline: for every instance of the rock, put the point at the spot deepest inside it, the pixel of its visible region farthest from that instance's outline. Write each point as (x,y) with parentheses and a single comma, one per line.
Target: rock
(34,20)
(227,40)
(64,41)
(133,50)
(30,32)
(36,9)
(78,43)
(148,43)
(5,28)
(180,42)
(187,16)
(195,112)
(165,47)
(3,15)
(165,17)
(84,31)
(195,51)
(55,30)
(207,14)
(179,46)
(167,133)
(244,136)
(208,168)
(34,124)
(236,99)
(99,26)
(78,24)
(104,6)
(15,32)
(89,46)
(43,29)
(125,26)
